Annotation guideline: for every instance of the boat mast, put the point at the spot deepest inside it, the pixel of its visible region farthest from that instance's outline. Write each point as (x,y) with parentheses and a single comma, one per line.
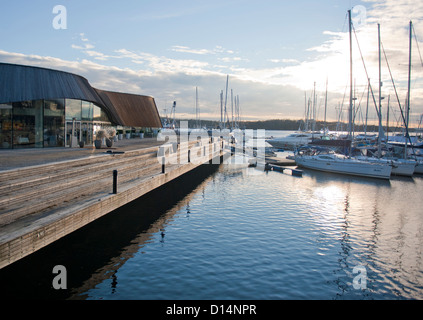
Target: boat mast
(387,118)
(238,111)
(326,102)
(367,107)
(221,109)
(314,109)
(226,100)
(232,108)
(197,111)
(408,93)
(351,79)
(379,151)
(305,112)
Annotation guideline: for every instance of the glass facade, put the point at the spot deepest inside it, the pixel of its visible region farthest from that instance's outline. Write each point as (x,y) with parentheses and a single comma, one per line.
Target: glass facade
(27,118)
(48,123)
(54,123)
(73,109)
(5,126)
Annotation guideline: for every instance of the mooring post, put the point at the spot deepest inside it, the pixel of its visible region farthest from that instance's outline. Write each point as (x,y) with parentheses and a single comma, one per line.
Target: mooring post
(163,165)
(115,173)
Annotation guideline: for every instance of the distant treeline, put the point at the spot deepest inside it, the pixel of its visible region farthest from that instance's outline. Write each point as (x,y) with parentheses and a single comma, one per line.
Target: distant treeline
(292,125)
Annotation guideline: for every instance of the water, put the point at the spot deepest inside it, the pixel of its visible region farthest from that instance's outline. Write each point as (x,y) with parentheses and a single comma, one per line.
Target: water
(246,234)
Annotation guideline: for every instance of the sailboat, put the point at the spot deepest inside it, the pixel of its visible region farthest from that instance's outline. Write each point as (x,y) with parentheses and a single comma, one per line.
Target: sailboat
(321,159)
(401,167)
(302,136)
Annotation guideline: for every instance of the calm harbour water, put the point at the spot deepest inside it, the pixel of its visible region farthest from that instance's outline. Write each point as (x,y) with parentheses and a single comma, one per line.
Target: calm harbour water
(250,234)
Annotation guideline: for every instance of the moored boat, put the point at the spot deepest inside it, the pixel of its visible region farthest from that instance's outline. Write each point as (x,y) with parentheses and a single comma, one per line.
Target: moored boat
(400,167)
(320,159)
(293,140)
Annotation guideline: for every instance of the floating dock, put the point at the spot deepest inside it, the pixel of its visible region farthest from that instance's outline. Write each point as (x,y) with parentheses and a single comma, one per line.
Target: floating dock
(280,161)
(42,203)
(294,171)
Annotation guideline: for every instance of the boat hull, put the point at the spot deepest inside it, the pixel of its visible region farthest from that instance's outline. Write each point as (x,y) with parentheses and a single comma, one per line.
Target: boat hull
(399,167)
(292,141)
(403,169)
(345,166)
(419,167)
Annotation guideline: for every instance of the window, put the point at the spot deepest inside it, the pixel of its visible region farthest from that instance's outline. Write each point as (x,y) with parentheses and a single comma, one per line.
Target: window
(28,124)
(99,114)
(5,126)
(54,123)
(87,111)
(73,109)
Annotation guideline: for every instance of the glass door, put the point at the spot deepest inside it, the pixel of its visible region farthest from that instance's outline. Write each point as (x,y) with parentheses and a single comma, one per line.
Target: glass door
(87,133)
(73,134)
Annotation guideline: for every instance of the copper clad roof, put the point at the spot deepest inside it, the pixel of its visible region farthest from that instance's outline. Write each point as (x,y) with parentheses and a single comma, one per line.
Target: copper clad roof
(22,83)
(131,109)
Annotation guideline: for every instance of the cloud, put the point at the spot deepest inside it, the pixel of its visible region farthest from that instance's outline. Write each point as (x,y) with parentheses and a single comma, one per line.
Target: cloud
(189,50)
(332,56)
(97,55)
(172,80)
(294,61)
(265,92)
(86,48)
(83,38)
(215,51)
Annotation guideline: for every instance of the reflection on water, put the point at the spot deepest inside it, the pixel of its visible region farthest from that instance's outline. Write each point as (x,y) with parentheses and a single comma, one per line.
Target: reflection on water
(249,234)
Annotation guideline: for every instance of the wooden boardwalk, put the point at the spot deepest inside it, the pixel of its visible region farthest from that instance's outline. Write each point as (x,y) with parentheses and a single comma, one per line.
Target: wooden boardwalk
(42,203)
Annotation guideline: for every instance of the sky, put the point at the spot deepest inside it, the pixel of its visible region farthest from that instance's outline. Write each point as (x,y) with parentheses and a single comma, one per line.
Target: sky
(275,52)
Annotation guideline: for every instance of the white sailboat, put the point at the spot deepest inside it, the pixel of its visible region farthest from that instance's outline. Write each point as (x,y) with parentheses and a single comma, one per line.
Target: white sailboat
(401,167)
(292,141)
(419,166)
(337,163)
(314,158)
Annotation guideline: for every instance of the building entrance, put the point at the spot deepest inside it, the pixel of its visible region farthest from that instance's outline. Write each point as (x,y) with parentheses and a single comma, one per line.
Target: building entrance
(73,134)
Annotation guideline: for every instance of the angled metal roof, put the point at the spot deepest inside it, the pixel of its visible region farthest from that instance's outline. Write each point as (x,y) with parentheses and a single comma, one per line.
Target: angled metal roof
(133,110)
(22,83)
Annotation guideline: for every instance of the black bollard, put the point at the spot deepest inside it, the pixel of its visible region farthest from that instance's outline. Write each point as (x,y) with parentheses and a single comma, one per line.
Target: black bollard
(115,173)
(163,165)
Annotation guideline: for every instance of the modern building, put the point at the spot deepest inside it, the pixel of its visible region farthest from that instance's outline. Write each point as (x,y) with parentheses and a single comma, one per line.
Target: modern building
(42,107)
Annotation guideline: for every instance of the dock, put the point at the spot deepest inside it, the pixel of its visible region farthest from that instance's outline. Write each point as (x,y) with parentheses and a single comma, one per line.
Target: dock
(280,161)
(294,171)
(283,164)
(47,194)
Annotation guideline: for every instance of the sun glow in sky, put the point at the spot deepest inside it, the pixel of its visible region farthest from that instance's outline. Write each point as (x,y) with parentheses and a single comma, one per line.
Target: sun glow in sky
(274,51)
